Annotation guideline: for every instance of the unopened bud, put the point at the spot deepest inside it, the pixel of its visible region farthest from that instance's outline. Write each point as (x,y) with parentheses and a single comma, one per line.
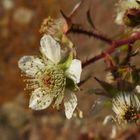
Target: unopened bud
(54,26)
(132,17)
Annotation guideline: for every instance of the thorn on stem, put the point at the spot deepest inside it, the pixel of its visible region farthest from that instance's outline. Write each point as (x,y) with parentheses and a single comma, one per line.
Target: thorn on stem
(89,19)
(75,9)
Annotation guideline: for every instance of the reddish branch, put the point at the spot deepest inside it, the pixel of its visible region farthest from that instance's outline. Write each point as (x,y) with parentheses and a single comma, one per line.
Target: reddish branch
(95,33)
(115,44)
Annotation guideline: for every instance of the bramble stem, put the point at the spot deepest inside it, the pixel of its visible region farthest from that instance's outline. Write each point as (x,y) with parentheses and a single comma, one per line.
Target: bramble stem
(98,35)
(115,44)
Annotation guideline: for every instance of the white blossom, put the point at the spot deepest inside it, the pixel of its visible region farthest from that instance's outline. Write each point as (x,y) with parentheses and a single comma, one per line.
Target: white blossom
(50,78)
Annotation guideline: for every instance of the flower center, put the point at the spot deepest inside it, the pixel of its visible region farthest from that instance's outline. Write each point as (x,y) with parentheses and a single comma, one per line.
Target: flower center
(126,107)
(53,80)
(46,80)
(130,114)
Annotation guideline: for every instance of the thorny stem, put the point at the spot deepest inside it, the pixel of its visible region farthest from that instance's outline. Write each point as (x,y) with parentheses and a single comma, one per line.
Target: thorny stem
(95,33)
(75,29)
(115,44)
(91,33)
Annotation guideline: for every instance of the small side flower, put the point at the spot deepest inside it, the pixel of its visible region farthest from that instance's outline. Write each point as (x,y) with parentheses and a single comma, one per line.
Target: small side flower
(128,13)
(126,107)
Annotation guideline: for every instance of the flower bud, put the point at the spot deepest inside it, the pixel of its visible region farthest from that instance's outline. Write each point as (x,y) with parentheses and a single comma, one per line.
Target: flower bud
(127,12)
(54,26)
(132,17)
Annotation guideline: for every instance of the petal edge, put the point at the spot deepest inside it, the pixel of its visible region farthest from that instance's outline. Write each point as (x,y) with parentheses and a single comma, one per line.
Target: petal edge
(74,71)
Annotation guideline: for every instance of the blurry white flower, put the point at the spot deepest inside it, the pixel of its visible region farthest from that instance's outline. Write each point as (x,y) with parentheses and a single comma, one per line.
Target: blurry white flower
(126,106)
(138,88)
(121,8)
(113,132)
(110,119)
(23,15)
(7,4)
(51,78)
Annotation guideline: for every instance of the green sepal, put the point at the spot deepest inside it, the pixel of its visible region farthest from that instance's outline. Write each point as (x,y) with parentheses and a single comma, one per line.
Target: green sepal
(66,62)
(122,48)
(112,91)
(138,2)
(135,75)
(138,95)
(70,84)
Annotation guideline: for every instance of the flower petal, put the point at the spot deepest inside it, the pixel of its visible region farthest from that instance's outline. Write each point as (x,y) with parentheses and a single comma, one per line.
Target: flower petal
(59,100)
(50,48)
(70,103)
(108,119)
(30,65)
(74,71)
(40,100)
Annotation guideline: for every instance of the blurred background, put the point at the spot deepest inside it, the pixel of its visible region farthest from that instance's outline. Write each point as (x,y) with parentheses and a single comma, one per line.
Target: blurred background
(20,22)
